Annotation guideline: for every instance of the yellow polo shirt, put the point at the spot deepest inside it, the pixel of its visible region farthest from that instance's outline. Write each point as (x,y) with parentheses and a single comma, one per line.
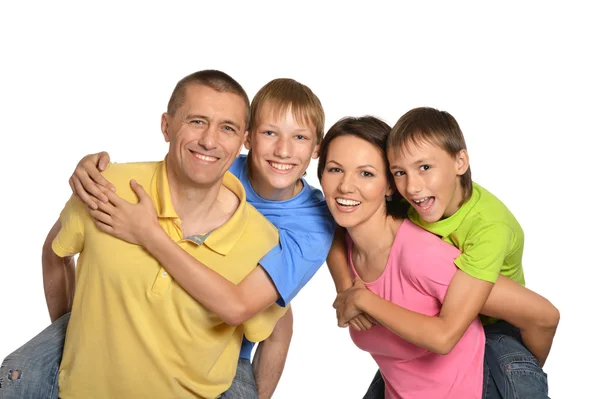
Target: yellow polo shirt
(134,332)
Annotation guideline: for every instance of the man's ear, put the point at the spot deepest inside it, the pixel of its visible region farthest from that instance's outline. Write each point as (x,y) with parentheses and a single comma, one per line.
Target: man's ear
(315,153)
(462,162)
(247,141)
(164,126)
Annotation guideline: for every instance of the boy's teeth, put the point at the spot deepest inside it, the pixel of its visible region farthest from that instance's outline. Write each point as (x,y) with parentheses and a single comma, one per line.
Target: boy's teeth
(347,202)
(424,203)
(281,166)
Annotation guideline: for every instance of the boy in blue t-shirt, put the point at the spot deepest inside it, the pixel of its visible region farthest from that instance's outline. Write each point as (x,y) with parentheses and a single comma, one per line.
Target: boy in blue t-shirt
(285,129)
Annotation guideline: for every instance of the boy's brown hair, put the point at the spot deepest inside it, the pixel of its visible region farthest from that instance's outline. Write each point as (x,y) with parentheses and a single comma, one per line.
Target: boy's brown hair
(436,127)
(281,94)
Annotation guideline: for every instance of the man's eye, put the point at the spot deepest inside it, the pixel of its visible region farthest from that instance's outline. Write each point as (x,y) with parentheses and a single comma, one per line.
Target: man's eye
(301,137)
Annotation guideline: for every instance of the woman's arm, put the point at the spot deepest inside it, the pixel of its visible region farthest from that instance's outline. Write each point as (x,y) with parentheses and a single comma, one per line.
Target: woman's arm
(337,261)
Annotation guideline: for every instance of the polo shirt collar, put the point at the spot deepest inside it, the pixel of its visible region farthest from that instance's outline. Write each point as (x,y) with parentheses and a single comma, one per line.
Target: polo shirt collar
(224,238)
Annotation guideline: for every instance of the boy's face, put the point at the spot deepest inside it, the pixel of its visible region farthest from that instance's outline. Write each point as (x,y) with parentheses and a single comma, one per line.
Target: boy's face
(429,178)
(281,151)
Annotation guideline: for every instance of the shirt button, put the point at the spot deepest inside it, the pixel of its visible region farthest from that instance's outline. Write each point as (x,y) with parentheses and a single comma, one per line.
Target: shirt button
(164,274)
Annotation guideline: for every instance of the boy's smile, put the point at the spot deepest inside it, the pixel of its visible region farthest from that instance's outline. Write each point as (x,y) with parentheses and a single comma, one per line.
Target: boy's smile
(429,178)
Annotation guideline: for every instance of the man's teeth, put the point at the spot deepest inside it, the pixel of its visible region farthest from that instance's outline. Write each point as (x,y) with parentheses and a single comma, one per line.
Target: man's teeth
(281,166)
(205,157)
(421,200)
(347,202)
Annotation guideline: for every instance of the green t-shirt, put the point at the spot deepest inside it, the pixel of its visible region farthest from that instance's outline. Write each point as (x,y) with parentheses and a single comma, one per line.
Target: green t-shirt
(488,235)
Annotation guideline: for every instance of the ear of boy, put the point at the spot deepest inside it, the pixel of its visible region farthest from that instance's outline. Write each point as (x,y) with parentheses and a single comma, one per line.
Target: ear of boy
(462,162)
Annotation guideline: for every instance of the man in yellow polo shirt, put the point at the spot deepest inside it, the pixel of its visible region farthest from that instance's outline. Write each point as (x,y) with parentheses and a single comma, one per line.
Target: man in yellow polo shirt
(134,331)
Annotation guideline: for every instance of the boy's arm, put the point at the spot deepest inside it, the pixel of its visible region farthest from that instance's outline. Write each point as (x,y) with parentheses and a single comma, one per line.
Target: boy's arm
(270,356)
(234,304)
(464,298)
(533,314)
(285,269)
(483,257)
(59,277)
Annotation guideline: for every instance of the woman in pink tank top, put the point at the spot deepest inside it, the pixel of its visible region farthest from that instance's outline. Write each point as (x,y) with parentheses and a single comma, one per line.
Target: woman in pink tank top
(401,271)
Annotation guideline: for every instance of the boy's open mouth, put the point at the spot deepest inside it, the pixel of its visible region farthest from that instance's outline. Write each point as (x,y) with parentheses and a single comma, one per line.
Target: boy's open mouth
(424,204)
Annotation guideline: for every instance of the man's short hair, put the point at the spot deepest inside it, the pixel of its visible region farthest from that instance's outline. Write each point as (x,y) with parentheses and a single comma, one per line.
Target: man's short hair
(216,80)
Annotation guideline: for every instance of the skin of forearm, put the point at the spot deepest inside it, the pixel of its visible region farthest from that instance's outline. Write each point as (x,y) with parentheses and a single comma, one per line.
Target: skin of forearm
(535,316)
(539,342)
(431,333)
(269,359)
(59,278)
(212,290)
(337,263)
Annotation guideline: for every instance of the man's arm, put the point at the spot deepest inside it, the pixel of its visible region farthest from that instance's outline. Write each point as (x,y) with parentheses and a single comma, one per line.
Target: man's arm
(533,314)
(59,277)
(270,356)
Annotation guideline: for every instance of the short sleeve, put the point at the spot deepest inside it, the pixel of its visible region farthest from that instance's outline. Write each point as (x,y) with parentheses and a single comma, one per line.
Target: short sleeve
(260,326)
(485,250)
(302,250)
(434,269)
(69,240)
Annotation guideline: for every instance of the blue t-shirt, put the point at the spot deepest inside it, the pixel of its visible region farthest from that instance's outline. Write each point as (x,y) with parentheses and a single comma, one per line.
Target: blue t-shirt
(305,236)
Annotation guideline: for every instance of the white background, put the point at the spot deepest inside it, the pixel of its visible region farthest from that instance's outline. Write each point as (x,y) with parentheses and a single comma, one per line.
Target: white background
(522,80)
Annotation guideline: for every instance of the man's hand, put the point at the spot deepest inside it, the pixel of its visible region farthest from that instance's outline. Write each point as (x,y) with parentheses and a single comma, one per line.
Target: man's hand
(347,310)
(86,181)
(130,222)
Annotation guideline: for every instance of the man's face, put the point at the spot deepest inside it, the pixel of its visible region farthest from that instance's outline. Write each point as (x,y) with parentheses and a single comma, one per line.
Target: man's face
(281,150)
(205,135)
(429,178)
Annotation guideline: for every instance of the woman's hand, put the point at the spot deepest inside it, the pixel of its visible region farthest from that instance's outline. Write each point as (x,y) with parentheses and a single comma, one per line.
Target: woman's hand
(87,182)
(346,306)
(133,223)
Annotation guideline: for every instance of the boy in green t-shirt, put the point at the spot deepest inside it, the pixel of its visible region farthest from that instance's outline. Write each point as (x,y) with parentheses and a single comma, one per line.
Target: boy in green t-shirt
(429,160)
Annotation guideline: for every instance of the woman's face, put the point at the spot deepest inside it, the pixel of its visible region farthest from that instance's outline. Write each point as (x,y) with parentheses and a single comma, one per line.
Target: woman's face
(354,181)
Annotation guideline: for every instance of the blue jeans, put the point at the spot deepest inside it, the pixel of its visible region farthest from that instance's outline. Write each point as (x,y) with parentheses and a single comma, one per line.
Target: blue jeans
(31,372)
(515,372)
(243,386)
(510,370)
